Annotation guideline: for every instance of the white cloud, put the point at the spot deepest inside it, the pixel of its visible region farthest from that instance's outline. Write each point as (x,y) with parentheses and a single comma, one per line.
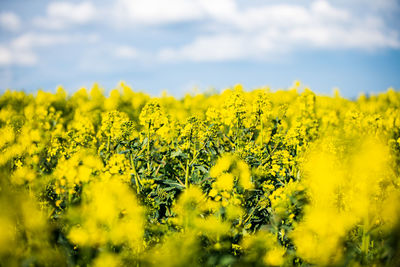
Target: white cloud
(11,56)
(325,11)
(10,21)
(222,29)
(218,9)
(156,12)
(260,32)
(257,18)
(21,50)
(218,48)
(61,15)
(125,52)
(30,40)
(5,56)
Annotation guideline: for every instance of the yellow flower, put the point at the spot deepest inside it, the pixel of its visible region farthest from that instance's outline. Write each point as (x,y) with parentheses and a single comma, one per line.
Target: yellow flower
(152,115)
(230,170)
(274,257)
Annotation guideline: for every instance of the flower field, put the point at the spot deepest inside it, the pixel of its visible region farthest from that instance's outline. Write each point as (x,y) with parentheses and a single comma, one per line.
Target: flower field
(238,178)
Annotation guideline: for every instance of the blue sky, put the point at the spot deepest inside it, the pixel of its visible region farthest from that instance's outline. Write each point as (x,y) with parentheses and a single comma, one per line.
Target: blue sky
(178,45)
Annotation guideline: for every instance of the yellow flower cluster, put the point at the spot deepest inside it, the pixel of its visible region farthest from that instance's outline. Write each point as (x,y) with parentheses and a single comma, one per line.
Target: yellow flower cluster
(348,189)
(109,214)
(230,170)
(237,178)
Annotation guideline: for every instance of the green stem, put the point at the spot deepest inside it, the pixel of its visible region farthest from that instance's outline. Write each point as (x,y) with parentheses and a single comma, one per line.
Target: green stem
(137,257)
(262,132)
(197,153)
(148,149)
(365,240)
(108,144)
(181,165)
(187,163)
(237,141)
(187,174)
(251,214)
(137,178)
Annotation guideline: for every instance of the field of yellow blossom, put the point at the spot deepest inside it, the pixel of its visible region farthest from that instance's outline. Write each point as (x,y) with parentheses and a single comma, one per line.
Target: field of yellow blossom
(240,178)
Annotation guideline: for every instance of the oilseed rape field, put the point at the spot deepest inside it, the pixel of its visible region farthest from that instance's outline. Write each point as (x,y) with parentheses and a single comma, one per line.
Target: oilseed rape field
(237,178)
